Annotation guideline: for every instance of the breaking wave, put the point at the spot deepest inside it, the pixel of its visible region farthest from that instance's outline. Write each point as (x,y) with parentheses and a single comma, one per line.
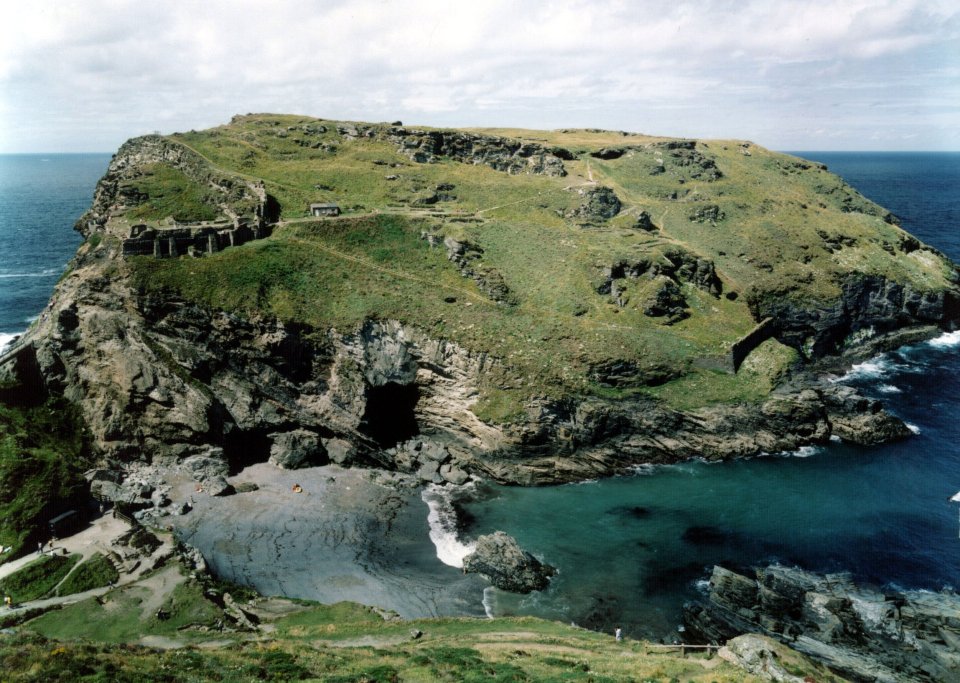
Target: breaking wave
(946,340)
(442,520)
(6,338)
(46,272)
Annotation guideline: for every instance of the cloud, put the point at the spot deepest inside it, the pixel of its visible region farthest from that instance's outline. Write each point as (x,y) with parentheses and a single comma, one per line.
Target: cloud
(98,71)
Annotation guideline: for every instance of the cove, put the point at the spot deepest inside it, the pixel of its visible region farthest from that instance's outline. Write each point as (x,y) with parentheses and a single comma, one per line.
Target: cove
(631,550)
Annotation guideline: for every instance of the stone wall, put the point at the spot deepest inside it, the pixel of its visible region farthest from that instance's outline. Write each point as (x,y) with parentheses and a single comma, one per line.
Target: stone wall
(207,239)
(744,346)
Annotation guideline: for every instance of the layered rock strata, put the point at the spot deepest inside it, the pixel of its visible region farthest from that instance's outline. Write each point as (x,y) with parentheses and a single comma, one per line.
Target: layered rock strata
(860,633)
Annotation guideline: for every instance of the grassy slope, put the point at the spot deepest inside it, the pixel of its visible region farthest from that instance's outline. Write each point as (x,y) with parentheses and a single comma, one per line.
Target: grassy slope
(39,578)
(342,271)
(344,642)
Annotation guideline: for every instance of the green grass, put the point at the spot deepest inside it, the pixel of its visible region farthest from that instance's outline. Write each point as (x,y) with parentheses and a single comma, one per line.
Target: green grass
(170,193)
(341,642)
(125,614)
(95,572)
(768,248)
(38,579)
(43,453)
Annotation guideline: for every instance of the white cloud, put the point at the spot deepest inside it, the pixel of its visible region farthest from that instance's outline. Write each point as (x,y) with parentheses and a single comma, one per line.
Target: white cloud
(82,74)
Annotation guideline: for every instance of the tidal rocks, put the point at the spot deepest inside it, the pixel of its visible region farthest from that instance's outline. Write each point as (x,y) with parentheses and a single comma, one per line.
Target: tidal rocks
(857,632)
(499,558)
(860,420)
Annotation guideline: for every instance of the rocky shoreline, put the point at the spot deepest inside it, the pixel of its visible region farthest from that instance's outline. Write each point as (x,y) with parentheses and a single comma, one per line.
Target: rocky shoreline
(861,633)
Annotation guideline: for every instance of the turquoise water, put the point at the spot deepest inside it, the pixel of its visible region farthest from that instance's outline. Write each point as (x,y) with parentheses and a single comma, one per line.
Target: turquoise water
(631,550)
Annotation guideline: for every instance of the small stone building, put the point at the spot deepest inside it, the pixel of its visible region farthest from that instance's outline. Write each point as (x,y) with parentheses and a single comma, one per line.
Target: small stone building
(328,209)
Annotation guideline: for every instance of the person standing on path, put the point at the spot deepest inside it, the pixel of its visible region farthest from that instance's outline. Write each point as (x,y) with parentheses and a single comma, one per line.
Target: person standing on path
(618,634)
(39,548)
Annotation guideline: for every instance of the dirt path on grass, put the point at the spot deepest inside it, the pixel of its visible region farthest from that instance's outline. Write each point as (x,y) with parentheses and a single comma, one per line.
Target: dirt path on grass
(94,539)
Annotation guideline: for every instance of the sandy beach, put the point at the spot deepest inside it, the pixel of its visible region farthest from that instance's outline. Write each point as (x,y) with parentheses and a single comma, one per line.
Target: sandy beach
(348,534)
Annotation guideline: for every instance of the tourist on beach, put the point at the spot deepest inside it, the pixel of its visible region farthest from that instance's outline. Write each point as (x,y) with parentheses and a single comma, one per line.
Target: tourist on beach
(618,634)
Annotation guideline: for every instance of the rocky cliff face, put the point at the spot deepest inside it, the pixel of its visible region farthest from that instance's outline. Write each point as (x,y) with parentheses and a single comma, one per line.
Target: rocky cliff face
(163,380)
(860,633)
(231,197)
(868,307)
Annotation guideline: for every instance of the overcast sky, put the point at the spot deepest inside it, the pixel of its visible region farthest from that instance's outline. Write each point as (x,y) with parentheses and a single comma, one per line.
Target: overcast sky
(832,74)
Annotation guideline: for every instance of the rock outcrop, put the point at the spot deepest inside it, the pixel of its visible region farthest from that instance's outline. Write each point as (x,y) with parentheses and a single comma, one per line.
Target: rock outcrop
(859,633)
(502,154)
(597,204)
(500,559)
(868,307)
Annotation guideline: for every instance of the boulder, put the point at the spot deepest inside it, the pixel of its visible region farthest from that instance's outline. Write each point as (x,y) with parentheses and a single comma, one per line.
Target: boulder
(757,655)
(453,474)
(340,451)
(295,449)
(500,559)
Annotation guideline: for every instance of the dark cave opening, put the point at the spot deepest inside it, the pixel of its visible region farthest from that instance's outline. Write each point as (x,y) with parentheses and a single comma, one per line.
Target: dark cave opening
(390,415)
(244,448)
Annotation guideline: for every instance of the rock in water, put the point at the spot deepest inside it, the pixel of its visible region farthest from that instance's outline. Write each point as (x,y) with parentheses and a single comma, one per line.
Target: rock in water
(500,559)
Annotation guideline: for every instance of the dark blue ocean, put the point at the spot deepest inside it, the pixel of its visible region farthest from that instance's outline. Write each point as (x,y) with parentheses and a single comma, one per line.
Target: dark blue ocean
(630,550)
(41,195)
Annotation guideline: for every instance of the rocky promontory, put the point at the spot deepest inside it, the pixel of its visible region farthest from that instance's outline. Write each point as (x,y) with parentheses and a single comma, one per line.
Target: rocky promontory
(570,307)
(861,633)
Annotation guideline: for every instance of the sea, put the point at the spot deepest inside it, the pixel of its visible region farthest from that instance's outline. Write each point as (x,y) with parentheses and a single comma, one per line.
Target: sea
(41,196)
(631,550)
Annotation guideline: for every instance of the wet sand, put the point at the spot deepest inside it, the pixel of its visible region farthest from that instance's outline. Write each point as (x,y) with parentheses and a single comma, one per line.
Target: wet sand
(351,534)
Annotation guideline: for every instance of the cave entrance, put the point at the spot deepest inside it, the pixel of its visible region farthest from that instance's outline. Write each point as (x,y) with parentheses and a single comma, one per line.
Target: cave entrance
(390,416)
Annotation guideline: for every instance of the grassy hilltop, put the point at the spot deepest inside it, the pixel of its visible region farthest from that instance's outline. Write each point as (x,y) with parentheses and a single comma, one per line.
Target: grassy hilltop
(572,292)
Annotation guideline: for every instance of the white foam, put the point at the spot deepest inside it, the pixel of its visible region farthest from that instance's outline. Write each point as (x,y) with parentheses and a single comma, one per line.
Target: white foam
(442,520)
(643,469)
(889,389)
(6,338)
(802,452)
(835,439)
(869,369)
(46,272)
(946,340)
(912,427)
